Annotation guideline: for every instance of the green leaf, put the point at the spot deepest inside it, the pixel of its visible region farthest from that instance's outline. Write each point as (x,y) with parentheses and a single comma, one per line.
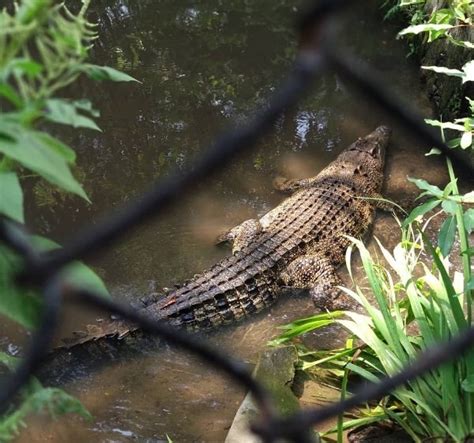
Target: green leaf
(468,218)
(466,140)
(450,188)
(463,43)
(468,70)
(468,198)
(433,151)
(23,305)
(426,27)
(40,153)
(446,71)
(35,400)
(420,210)
(466,74)
(16,303)
(24,66)
(9,361)
(82,276)
(445,125)
(470,283)
(454,142)
(455,311)
(77,272)
(425,186)
(410,2)
(11,196)
(446,236)
(10,94)
(86,105)
(362,372)
(467,384)
(471,104)
(97,72)
(65,112)
(63,150)
(449,206)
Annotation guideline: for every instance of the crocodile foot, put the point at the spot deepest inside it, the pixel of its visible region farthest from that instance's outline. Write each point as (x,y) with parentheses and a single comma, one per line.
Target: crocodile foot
(328,297)
(316,273)
(241,235)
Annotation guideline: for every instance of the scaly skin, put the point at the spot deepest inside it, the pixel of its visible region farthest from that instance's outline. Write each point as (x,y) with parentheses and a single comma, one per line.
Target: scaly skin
(300,243)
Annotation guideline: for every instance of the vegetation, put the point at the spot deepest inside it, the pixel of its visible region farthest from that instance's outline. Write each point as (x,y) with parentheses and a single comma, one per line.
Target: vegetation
(43,49)
(419,298)
(448,22)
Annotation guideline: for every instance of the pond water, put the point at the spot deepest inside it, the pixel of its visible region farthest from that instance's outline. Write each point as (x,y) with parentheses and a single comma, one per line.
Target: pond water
(203,65)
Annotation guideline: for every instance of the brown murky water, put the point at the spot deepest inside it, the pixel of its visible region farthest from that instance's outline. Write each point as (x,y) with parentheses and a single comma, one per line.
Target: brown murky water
(203,65)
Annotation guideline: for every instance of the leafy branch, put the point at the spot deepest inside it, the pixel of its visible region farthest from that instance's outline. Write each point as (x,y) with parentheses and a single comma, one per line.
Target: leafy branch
(43,49)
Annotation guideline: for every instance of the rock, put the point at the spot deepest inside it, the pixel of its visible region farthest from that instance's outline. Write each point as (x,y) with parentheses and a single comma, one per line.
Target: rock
(276,371)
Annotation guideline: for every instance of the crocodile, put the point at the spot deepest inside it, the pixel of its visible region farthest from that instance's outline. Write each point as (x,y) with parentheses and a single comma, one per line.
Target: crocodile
(299,244)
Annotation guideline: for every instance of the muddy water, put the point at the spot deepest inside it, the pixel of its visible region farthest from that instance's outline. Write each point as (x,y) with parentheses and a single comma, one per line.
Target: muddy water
(203,65)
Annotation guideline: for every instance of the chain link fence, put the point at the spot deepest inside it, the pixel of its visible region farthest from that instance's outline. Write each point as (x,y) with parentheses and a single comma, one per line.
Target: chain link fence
(317,55)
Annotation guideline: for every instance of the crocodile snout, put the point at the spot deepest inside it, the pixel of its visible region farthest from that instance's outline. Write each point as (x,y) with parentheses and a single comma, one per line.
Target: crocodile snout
(384,131)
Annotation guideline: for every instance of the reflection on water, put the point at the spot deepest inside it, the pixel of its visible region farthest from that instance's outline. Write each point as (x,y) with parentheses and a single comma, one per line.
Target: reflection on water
(202,66)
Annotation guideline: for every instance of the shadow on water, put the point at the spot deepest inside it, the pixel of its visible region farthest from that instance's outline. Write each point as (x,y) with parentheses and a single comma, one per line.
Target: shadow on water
(202,66)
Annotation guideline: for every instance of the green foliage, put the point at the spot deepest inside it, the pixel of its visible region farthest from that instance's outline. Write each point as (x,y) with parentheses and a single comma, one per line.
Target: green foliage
(76,273)
(441,23)
(96,72)
(60,42)
(40,153)
(34,399)
(17,303)
(43,49)
(11,203)
(449,199)
(69,113)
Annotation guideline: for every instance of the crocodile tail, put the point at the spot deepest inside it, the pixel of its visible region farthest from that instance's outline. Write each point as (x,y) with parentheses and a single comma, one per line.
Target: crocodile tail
(92,347)
(79,356)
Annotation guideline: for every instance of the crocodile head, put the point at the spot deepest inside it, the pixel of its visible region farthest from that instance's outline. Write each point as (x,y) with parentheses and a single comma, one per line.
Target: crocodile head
(363,161)
(369,149)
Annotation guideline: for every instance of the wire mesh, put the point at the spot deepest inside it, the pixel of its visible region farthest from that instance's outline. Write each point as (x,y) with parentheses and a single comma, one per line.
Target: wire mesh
(317,54)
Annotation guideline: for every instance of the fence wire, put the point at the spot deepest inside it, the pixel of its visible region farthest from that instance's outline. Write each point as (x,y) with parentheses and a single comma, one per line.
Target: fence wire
(41,270)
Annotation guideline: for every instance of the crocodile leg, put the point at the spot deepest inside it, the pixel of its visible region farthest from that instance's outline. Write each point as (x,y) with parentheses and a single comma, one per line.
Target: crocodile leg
(317,273)
(241,235)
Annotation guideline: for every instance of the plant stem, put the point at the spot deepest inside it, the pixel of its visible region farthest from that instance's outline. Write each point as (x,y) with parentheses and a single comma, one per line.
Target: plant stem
(466,263)
(340,418)
(85,6)
(464,243)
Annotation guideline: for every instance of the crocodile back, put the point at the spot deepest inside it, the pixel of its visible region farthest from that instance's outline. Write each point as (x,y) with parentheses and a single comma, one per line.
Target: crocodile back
(316,219)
